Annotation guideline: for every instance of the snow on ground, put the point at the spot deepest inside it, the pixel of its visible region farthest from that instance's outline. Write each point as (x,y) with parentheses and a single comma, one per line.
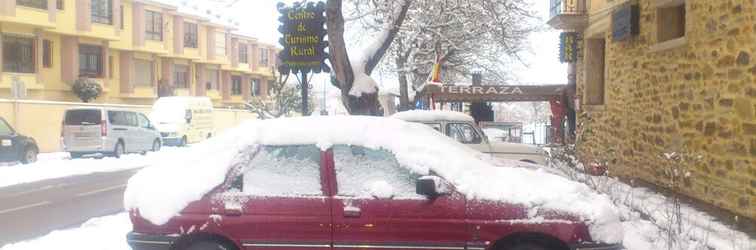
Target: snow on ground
(698,229)
(416,146)
(103,233)
(57,165)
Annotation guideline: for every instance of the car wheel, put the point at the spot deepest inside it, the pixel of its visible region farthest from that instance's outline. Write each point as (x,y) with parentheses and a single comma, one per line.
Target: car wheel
(30,155)
(76,155)
(156,145)
(119,150)
(526,246)
(209,245)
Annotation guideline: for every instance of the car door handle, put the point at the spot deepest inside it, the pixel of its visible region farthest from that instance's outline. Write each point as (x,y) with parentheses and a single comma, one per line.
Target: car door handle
(352,212)
(120,129)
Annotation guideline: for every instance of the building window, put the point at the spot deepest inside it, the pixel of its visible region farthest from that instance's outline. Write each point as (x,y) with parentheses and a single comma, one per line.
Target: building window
(243,56)
(595,71)
(154,21)
(255,87)
(18,54)
(90,61)
(236,83)
(220,43)
(212,79)
(671,21)
(190,35)
(102,11)
(39,4)
(144,72)
(60,4)
(47,53)
(264,56)
(181,76)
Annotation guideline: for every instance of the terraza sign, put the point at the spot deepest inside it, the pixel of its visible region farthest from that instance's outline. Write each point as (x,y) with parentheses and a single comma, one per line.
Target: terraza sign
(303,32)
(497,93)
(481,90)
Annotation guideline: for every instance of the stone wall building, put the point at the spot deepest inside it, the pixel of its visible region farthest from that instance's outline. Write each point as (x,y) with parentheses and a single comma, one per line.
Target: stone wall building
(683,83)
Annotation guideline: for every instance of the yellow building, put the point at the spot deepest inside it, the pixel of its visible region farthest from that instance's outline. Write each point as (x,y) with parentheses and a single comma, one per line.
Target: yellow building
(133,48)
(660,79)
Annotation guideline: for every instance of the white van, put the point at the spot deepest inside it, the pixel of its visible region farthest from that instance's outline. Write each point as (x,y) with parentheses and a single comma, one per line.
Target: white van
(107,131)
(183,119)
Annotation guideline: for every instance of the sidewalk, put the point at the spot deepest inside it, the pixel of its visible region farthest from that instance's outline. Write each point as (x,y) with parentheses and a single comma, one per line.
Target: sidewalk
(654,221)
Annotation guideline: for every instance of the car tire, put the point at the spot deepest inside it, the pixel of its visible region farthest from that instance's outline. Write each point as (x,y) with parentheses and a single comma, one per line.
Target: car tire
(30,155)
(156,145)
(76,155)
(526,246)
(119,150)
(209,245)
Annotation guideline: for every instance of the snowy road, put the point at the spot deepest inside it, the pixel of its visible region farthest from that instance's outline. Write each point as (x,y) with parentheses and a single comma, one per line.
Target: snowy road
(34,209)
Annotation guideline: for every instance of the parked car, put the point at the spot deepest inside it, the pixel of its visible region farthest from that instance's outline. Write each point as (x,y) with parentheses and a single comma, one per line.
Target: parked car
(462,128)
(15,147)
(183,119)
(107,131)
(357,183)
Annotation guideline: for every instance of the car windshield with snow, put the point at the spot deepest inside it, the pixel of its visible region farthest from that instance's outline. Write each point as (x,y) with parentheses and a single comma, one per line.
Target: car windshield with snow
(356,183)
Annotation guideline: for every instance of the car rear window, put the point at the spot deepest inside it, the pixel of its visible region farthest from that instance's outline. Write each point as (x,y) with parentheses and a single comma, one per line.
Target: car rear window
(83,117)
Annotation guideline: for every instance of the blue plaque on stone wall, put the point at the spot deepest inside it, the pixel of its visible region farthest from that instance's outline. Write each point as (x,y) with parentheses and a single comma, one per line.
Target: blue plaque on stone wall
(625,22)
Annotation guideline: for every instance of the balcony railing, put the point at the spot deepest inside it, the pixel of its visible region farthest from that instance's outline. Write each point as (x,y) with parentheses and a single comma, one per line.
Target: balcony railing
(566,7)
(567,14)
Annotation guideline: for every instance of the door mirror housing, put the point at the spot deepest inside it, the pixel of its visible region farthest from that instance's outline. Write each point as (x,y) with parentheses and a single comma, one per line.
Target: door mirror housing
(431,186)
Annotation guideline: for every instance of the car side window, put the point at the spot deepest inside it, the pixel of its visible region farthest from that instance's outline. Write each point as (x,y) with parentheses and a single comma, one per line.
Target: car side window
(143,121)
(283,171)
(365,172)
(132,119)
(5,129)
(436,126)
(463,132)
(117,118)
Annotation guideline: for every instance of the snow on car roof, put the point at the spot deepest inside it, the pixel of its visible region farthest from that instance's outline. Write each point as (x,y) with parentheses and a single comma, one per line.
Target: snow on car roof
(164,189)
(432,115)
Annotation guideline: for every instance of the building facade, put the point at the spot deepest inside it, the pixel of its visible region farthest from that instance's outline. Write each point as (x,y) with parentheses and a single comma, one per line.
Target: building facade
(667,93)
(135,49)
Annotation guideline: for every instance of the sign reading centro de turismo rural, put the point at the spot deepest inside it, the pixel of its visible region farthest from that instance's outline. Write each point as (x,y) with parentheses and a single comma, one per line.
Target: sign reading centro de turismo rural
(303,32)
(568,47)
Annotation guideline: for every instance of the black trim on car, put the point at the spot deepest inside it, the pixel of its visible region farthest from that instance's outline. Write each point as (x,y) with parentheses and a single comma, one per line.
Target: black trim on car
(596,246)
(139,241)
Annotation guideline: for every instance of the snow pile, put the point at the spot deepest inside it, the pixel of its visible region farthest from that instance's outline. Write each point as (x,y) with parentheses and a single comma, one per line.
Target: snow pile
(103,233)
(432,115)
(638,205)
(57,165)
(163,190)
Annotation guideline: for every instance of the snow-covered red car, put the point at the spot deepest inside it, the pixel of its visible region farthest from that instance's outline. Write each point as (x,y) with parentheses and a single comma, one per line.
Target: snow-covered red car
(356,183)
(462,128)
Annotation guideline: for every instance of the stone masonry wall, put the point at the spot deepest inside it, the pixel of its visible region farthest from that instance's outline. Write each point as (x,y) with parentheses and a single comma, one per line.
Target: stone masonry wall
(698,100)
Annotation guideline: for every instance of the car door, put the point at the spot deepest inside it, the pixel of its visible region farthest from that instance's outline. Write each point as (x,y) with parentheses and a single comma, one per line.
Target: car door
(9,148)
(376,206)
(145,133)
(279,201)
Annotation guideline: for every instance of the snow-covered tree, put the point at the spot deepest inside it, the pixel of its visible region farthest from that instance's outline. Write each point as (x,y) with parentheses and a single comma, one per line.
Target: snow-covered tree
(359,92)
(284,99)
(469,35)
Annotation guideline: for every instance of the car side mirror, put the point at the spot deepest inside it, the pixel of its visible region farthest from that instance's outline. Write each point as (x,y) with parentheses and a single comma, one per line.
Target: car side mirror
(431,186)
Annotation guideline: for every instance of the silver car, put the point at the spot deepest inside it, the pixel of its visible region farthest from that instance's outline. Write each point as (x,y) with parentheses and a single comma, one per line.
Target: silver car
(107,132)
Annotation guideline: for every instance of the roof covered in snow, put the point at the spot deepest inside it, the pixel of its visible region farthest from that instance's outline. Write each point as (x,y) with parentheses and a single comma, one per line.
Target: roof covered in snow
(164,189)
(432,115)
